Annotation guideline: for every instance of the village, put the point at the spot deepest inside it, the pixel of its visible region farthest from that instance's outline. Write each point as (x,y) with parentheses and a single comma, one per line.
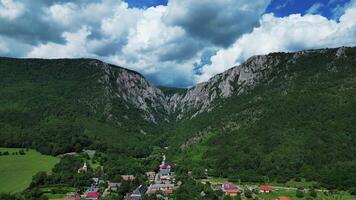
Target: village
(162,184)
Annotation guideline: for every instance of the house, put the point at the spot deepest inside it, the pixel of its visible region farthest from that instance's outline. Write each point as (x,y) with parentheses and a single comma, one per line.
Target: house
(114,186)
(167,192)
(164,171)
(230,189)
(92,195)
(251,187)
(95,181)
(265,189)
(151,176)
(83,169)
(166,188)
(128,177)
(127,196)
(138,193)
(285,198)
(164,174)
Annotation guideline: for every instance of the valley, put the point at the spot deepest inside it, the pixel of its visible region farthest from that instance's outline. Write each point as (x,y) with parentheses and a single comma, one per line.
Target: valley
(274,119)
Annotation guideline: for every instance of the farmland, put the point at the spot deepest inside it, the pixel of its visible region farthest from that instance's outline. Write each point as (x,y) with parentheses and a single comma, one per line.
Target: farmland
(16,171)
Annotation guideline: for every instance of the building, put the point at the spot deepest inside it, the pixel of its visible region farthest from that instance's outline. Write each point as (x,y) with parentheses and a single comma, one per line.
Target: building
(128,177)
(265,189)
(230,189)
(166,188)
(95,181)
(114,186)
(138,193)
(92,196)
(77,197)
(151,176)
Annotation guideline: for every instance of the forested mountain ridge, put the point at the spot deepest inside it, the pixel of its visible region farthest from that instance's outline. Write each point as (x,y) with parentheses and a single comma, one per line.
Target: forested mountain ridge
(46,103)
(295,119)
(281,116)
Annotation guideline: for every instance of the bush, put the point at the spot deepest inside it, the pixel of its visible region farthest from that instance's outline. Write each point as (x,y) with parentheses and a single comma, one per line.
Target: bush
(352,191)
(22,152)
(313,193)
(248,194)
(300,193)
(297,179)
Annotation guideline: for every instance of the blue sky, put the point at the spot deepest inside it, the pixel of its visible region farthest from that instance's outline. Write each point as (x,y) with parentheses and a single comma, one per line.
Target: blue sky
(280,8)
(146,3)
(180,43)
(325,8)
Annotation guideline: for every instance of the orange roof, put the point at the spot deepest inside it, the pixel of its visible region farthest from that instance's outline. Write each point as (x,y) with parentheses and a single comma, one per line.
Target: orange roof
(265,188)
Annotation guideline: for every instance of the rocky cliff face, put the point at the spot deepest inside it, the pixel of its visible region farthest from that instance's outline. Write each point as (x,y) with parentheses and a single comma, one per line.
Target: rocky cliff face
(154,104)
(134,90)
(238,80)
(136,95)
(234,81)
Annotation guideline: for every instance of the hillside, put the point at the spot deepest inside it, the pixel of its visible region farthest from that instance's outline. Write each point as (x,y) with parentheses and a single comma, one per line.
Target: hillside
(278,116)
(64,105)
(287,115)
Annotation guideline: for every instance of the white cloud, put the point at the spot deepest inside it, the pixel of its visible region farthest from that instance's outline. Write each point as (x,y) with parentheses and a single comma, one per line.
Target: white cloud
(11,9)
(291,33)
(76,46)
(149,41)
(165,43)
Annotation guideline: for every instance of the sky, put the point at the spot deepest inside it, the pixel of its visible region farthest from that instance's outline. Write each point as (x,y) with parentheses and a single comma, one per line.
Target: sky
(176,43)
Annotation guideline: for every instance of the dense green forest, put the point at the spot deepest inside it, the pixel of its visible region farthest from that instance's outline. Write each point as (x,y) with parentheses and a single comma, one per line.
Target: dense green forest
(58,106)
(298,122)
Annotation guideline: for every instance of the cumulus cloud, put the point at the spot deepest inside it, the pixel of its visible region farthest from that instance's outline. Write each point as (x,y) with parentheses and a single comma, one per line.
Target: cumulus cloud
(219,22)
(10,9)
(170,44)
(291,33)
(76,45)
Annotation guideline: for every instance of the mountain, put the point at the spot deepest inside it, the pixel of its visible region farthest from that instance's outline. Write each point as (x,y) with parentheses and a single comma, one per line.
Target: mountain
(54,101)
(281,115)
(278,117)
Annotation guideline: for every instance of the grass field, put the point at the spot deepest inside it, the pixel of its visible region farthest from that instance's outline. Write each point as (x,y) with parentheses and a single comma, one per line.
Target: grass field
(16,171)
(289,192)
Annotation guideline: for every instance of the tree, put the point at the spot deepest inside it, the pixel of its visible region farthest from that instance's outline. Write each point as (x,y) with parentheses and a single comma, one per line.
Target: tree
(313,193)
(248,194)
(300,193)
(39,179)
(22,152)
(10,197)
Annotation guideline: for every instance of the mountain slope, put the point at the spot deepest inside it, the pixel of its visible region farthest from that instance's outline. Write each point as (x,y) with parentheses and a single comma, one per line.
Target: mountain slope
(52,102)
(281,116)
(295,118)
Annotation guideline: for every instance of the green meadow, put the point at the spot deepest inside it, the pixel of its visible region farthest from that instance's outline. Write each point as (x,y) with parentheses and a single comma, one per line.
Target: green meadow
(16,171)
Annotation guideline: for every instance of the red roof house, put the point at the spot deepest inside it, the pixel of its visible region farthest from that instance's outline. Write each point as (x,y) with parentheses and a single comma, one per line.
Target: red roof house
(92,196)
(230,189)
(265,189)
